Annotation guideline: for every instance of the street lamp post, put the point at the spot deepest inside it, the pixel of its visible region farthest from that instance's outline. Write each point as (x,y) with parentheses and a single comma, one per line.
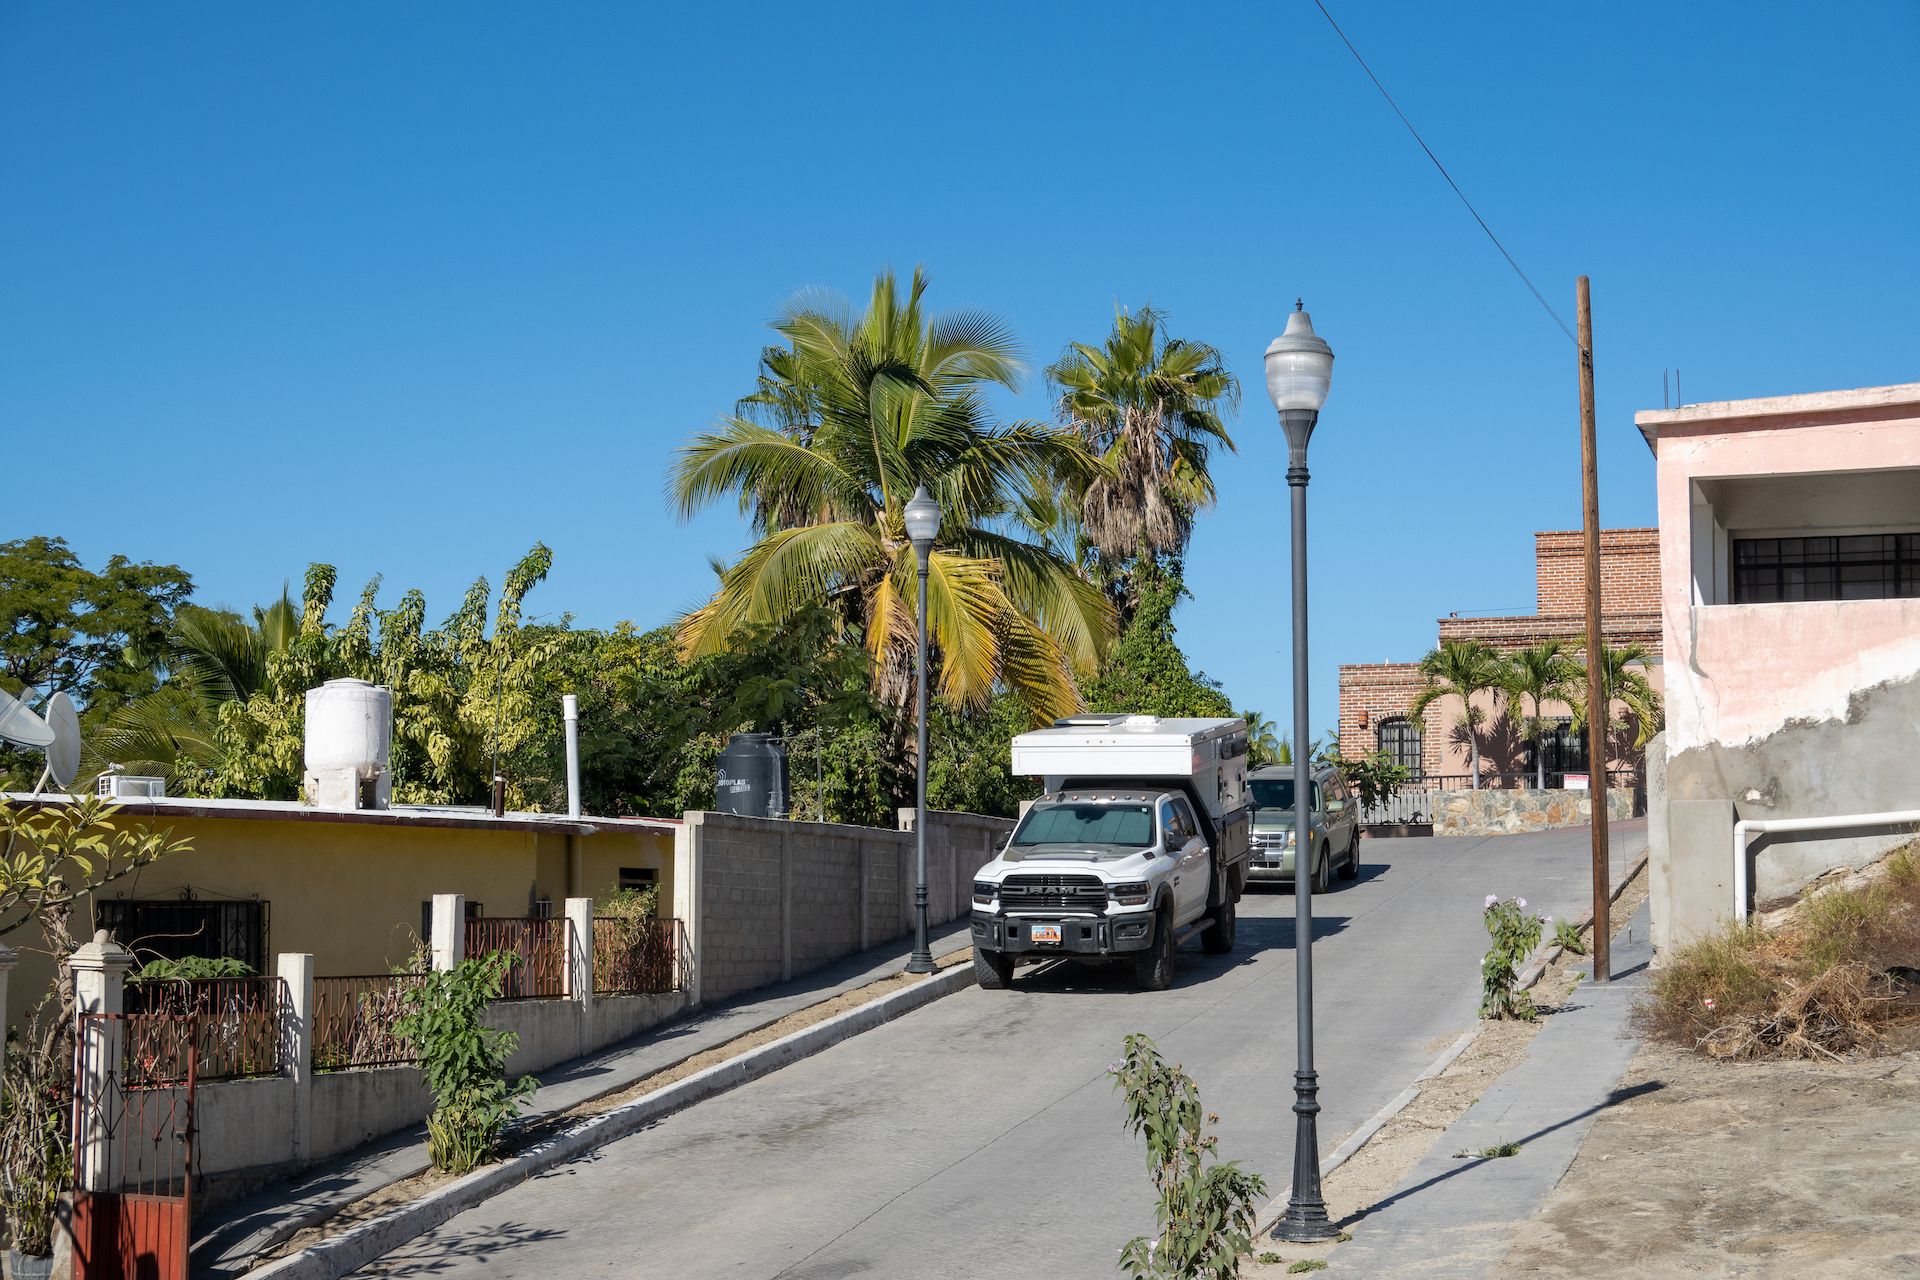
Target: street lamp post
(923,524)
(1299,373)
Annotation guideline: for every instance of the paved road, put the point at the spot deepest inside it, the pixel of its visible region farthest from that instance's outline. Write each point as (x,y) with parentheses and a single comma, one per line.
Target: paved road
(980,1136)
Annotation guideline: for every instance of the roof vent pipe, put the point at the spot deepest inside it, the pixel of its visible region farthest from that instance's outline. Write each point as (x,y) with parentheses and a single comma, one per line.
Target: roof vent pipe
(570,708)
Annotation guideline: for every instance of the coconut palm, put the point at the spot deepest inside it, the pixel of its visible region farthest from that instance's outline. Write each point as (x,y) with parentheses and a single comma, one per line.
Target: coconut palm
(1263,744)
(1149,406)
(1622,679)
(849,418)
(1461,669)
(1538,673)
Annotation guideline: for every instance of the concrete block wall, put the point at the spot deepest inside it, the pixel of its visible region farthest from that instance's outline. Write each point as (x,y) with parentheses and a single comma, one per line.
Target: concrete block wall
(766,899)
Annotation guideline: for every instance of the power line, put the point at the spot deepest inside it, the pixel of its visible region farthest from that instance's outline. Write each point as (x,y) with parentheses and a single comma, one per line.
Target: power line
(1538,296)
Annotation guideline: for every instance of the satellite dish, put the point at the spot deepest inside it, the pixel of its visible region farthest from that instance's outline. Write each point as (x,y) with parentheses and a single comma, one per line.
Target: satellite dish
(20,726)
(63,755)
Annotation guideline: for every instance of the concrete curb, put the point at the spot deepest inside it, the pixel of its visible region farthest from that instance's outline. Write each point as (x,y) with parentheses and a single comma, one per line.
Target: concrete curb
(357,1246)
(1265,1220)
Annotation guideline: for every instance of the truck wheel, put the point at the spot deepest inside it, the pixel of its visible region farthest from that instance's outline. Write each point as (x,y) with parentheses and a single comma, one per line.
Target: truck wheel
(1350,869)
(1322,881)
(1217,938)
(1153,968)
(992,969)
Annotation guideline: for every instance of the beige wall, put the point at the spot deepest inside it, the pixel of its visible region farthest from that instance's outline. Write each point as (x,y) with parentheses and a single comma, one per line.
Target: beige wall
(350,892)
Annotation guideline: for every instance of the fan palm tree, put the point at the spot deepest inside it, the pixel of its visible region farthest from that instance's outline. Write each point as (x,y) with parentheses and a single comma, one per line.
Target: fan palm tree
(1540,672)
(1461,669)
(1622,680)
(1149,407)
(847,420)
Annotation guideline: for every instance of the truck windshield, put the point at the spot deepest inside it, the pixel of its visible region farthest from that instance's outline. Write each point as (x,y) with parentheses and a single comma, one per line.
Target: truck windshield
(1277,793)
(1126,825)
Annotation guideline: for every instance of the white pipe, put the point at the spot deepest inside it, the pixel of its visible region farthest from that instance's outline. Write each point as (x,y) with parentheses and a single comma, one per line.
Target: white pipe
(570,708)
(1745,829)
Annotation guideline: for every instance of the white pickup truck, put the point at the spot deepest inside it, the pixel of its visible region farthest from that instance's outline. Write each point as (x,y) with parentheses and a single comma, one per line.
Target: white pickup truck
(1140,840)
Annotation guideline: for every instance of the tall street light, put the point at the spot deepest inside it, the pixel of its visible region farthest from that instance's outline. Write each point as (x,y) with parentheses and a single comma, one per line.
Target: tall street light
(923,524)
(1299,373)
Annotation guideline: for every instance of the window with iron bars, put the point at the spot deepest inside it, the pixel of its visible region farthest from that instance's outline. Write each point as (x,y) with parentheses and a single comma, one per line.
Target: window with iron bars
(176,928)
(1865,566)
(1400,739)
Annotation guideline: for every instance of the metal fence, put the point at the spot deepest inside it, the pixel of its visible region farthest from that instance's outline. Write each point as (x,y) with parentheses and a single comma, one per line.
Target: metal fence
(354,1017)
(538,945)
(634,957)
(235,1028)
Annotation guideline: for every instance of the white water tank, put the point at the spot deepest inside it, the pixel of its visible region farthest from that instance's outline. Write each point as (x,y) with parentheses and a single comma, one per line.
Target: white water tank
(349,745)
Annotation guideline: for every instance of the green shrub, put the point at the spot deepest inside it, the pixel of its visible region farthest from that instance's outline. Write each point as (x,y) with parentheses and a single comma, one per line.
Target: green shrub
(464,1061)
(1205,1211)
(1566,936)
(1515,932)
(189,967)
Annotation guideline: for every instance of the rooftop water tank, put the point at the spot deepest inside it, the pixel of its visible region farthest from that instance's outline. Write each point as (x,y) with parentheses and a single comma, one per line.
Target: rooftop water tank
(349,745)
(752,780)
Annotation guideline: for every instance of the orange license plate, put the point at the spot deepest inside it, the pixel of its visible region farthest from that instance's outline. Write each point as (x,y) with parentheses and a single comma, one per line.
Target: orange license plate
(1046,933)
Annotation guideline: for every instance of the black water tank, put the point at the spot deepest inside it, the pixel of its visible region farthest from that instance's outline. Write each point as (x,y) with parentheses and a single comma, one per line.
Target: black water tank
(753,776)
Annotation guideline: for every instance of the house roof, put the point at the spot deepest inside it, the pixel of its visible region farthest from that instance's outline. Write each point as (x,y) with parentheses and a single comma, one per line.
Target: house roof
(1811,404)
(400,815)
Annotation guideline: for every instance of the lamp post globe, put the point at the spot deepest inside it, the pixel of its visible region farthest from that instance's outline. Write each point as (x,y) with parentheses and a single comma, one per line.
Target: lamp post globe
(922,518)
(1299,375)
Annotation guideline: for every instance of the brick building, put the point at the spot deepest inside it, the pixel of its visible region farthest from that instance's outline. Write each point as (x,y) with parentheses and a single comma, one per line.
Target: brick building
(1375,696)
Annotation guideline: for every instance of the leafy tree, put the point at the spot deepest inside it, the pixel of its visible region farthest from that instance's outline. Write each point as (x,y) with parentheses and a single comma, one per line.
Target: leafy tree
(848,419)
(1149,406)
(1461,669)
(1146,673)
(1373,777)
(969,763)
(1540,672)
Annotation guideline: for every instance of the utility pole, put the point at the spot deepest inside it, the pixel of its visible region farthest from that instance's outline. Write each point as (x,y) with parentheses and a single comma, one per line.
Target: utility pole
(1599,707)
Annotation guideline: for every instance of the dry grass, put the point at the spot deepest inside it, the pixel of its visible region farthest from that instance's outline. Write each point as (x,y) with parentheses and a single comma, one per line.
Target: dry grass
(1832,980)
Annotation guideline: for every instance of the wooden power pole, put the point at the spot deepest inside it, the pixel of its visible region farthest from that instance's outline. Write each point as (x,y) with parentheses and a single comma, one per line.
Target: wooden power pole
(1599,704)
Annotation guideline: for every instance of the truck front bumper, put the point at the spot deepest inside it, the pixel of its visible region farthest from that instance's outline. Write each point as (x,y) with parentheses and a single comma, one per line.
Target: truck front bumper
(1079,935)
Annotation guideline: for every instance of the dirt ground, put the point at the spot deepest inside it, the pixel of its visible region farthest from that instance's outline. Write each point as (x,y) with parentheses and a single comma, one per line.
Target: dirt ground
(1786,1169)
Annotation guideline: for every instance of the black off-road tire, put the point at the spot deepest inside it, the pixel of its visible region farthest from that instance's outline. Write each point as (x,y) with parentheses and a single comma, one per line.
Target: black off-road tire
(1217,938)
(1153,968)
(992,969)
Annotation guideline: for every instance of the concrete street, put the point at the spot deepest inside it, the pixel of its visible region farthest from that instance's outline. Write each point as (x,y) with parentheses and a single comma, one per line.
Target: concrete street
(981,1136)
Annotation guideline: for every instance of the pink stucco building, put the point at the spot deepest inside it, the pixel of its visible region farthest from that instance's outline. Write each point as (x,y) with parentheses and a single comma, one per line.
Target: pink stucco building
(1790,610)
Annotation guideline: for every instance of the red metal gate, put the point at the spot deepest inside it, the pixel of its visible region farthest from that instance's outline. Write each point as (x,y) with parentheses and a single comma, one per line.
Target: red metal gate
(133,1145)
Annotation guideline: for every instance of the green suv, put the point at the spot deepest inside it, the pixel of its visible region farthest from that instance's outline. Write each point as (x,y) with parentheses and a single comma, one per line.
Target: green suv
(1334,825)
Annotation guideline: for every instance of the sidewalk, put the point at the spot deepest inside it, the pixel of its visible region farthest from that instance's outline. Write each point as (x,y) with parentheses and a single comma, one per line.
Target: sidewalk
(1453,1218)
(228,1239)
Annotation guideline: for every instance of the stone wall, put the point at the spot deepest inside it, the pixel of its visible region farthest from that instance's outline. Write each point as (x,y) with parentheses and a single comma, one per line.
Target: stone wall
(765,899)
(1500,813)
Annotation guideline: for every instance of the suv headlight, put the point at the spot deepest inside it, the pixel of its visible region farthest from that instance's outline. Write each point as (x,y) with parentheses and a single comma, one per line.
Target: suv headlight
(982,892)
(1130,895)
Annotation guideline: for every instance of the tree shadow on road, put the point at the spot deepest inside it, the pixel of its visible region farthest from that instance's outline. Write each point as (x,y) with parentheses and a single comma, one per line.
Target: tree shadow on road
(446,1253)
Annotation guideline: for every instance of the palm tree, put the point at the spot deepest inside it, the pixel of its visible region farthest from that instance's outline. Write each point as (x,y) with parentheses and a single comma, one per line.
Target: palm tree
(1621,683)
(847,420)
(1540,672)
(1461,668)
(1149,407)
(1263,746)
(214,656)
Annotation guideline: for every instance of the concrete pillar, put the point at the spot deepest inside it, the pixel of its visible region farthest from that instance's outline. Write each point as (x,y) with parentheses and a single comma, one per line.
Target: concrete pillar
(296,1045)
(449,930)
(579,977)
(8,958)
(99,974)
(687,864)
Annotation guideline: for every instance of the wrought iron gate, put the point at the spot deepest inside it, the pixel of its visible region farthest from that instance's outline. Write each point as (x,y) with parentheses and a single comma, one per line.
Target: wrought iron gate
(133,1145)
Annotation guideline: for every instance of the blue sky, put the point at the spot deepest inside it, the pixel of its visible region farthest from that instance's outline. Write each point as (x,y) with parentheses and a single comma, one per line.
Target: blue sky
(406,288)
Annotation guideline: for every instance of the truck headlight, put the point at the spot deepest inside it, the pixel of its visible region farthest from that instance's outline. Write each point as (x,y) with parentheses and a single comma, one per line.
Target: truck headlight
(982,892)
(1130,895)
